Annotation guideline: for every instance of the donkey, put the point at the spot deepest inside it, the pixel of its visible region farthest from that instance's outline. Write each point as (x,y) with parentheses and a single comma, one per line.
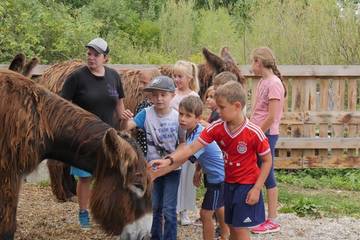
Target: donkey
(37,124)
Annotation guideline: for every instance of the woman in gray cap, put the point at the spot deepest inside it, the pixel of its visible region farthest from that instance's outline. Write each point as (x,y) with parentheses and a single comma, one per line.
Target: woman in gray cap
(97,89)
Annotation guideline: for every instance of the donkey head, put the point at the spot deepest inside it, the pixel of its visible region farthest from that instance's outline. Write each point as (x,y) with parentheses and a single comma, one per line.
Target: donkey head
(216,64)
(122,191)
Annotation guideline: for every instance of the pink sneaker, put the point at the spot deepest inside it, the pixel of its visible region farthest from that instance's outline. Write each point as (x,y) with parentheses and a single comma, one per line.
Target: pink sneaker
(266,227)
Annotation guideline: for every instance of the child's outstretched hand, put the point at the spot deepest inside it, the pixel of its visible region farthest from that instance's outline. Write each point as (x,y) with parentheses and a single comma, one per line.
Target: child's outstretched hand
(253,196)
(158,164)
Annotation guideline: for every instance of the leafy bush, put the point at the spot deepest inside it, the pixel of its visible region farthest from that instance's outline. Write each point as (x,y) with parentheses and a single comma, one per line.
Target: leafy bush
(305,207)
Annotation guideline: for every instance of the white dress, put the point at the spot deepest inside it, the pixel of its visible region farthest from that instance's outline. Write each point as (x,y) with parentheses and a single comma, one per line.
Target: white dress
(186,191)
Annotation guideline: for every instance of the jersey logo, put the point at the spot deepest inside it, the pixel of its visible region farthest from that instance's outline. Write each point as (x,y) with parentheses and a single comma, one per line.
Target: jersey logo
(241,147)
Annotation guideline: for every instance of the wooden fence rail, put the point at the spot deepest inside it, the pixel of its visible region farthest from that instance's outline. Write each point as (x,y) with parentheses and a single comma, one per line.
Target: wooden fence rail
(321,122)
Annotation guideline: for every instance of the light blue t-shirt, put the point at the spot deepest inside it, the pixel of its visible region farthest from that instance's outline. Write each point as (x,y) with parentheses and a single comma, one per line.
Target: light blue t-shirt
(162,133)
(210,158)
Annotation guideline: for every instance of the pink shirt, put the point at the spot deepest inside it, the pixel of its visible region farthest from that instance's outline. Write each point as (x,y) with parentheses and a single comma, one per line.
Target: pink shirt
(267,89)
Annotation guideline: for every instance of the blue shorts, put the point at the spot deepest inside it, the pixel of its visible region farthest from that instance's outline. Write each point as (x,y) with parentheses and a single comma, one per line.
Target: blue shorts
(214,196)
(270,181)
(237,212)
(79,172)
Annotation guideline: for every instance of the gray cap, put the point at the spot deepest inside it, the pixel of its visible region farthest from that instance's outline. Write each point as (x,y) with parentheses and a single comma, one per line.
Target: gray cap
(100,45)
(163,83)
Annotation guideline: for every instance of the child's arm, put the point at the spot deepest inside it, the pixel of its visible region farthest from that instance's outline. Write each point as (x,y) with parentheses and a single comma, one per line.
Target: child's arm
(254,194)
(274,105)
(175,160)
(128,119)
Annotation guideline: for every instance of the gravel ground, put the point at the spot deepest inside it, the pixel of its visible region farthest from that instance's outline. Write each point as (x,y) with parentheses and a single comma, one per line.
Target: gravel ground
(40,217)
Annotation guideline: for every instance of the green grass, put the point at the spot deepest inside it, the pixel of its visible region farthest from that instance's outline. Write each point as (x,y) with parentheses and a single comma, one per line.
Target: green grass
(317,192)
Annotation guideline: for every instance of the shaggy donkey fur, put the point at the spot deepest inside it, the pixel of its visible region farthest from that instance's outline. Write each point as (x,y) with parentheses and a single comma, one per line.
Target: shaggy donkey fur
(38,125)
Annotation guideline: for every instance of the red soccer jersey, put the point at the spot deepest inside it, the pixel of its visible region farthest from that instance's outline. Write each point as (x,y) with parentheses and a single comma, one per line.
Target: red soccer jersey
(239,148)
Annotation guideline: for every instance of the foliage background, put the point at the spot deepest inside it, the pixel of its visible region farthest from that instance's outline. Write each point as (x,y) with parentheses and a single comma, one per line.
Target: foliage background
(163,31)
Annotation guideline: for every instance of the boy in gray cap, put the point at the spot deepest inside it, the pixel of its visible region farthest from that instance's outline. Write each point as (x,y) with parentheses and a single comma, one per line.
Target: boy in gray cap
(163,134)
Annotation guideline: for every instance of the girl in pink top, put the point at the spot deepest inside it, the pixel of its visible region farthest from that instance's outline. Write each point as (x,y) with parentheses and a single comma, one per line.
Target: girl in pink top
(267,112)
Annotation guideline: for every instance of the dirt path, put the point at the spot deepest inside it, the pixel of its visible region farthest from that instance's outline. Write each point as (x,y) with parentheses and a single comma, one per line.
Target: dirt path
(40,217)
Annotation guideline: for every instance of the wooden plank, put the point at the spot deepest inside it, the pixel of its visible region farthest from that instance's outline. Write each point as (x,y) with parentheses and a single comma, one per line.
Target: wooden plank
(283,133)
(317,143)
(332,117)
(352,95)
(318,162)
(338,86)
(323,133)
(288,163)
(324,94)
(352,128)
(309,105)
(286,100)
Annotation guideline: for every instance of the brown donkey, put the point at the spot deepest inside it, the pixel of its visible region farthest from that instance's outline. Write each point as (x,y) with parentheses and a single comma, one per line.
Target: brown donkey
(38,125)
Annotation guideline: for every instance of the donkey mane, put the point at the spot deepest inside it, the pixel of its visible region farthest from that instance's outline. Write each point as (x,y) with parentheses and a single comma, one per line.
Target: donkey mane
(41,116)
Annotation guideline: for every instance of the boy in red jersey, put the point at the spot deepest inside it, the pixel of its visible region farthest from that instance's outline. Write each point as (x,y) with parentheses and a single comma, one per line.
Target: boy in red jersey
(240,141)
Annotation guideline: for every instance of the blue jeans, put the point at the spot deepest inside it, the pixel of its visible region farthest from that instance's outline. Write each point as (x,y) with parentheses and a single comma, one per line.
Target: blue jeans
(270,182)
(164,199)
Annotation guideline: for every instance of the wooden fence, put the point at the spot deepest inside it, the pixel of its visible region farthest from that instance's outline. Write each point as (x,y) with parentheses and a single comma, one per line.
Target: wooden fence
(321,122)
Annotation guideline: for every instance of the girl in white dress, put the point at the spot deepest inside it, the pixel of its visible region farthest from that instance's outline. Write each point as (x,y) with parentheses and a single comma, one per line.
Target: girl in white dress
(187,84)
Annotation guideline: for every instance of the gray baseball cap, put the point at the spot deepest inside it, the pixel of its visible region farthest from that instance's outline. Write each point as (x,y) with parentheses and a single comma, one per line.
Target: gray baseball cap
(100,45)
(162,83)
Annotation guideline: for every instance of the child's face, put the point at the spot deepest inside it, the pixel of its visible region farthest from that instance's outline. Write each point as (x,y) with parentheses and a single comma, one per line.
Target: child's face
(161,99)
(228,111)
(210,100)
(181,80)
(187,120)
(256,66)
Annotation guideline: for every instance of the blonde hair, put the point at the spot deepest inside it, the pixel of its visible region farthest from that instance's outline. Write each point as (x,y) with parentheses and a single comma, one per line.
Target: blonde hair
(268,60)
(223,78)
(233,92)
(191,70)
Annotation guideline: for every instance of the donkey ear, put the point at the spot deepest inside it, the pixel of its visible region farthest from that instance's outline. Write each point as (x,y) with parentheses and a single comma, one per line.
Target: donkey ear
(29,67)
(118,151)
(17,63)
(225,54)
(215,62)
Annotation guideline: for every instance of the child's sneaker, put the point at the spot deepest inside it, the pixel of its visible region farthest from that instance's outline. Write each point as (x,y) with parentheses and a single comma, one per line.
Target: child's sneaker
(84,220)
(268,226)
(184,218)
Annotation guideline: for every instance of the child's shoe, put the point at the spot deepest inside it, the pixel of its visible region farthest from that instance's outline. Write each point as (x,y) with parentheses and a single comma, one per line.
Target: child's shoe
(268,226)
(84,220)
(184,218)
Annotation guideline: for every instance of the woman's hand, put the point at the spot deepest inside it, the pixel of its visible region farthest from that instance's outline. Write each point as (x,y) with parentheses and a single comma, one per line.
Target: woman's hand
(127,115)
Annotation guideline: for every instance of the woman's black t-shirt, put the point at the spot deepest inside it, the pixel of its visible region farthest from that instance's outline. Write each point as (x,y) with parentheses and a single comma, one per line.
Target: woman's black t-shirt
(98,95)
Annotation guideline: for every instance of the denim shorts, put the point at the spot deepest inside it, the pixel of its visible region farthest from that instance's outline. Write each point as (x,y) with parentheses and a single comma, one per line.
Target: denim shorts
(237,212)
(270,181)
(79,172)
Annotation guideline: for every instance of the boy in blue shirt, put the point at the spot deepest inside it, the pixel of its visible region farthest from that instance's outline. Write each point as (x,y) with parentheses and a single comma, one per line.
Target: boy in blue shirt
(211,160)
(163,134)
